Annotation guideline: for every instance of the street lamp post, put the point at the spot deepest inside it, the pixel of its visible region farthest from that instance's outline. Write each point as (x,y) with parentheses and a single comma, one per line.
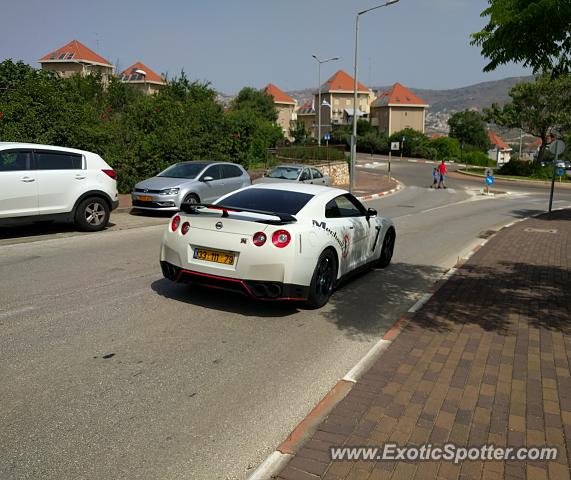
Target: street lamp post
(354,135)
(144,75)
(319,62)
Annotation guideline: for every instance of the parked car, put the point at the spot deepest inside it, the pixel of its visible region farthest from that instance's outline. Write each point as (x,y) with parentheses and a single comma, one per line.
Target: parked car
(189,182)
(295,173)
(44,182)
(276,242)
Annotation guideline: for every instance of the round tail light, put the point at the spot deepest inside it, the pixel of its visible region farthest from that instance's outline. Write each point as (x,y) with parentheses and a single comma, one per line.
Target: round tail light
(281,238)
(185,227)
(259,239)
(175,222)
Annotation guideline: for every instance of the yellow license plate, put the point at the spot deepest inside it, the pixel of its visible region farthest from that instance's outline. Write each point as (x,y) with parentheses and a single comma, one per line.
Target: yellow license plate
(145,198)
(213,256)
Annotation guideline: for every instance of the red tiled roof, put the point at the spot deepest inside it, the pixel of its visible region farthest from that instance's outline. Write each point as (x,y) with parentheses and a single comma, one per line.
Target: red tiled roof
(341,80)
(130,74)
(497,141)
(398,95)
(74,51)
(279,95)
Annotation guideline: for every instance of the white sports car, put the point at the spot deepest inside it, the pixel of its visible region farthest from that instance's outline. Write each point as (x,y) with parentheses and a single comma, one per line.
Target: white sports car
(276,242)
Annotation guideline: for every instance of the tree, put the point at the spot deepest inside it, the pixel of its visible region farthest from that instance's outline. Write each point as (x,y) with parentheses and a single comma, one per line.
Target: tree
(469,128)
(533,32)
(446,148)
(537,107)
(415,143)
(259,102)
(299,132)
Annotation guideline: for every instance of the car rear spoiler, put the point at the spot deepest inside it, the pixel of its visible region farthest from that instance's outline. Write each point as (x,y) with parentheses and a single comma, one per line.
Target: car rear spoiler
(192,208)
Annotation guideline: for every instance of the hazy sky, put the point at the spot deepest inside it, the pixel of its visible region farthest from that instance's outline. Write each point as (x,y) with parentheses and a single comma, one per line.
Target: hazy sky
(234,43)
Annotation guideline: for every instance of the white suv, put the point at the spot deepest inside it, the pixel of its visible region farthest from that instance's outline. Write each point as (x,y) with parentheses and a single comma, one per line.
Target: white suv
(43,182)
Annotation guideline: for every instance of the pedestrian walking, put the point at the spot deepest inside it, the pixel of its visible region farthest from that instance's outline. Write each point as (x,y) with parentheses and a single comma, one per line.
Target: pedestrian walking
(434,177)
(442,175)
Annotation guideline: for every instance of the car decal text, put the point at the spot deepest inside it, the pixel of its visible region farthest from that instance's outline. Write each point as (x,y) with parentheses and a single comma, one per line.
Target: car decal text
(343,243)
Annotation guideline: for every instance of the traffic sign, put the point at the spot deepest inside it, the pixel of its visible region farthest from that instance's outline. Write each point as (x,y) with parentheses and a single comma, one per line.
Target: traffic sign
(395,146)
(560,172)
(489,179)
(327,136)
(557,147)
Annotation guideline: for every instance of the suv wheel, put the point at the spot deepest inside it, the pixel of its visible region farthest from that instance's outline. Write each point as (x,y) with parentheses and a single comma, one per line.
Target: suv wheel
(92,214)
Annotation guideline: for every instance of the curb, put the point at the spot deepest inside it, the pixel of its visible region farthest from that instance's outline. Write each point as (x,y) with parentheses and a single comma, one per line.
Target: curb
(514,180)
(399,186)
(279,458)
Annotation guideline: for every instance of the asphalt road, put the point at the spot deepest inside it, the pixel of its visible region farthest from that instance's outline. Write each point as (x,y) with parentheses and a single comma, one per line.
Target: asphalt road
(110,371)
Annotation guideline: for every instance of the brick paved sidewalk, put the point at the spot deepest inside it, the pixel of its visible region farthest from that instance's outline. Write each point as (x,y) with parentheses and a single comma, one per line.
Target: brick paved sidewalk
(486,360)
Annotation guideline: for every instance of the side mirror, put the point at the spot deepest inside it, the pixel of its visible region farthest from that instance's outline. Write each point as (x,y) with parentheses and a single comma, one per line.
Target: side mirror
(207,179)
(371,212)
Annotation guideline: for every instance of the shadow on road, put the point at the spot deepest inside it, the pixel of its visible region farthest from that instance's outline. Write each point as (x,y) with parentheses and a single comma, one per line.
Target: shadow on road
(221,300)
(15,229)
(150,213)
(373,301)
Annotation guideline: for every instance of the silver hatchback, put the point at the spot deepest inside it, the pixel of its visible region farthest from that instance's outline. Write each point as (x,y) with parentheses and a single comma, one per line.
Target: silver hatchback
(189,182)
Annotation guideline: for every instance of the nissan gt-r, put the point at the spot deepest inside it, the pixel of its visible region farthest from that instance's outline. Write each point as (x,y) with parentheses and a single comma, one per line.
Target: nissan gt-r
(276,242)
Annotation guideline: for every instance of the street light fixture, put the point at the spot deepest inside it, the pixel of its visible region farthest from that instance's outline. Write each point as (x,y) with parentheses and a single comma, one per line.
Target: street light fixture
(141,72)
(354,135)
(319,62)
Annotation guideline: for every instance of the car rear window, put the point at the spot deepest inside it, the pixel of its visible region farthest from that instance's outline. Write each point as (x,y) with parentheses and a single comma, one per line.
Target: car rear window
(268,200)
(183,170)
(285,173)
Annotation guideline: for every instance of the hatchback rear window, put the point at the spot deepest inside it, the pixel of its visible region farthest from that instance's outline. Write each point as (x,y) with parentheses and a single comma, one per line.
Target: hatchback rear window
(268,200)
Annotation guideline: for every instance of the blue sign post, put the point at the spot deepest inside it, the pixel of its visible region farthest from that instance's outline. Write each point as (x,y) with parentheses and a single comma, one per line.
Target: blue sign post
(489,181)
(560,172)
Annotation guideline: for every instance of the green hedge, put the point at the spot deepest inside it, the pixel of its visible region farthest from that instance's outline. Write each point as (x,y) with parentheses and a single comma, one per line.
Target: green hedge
(312,153)
(478,158)
(526,169)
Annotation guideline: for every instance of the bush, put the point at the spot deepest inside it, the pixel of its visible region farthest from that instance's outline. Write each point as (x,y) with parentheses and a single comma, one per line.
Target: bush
(446,148)
(138,135)
(373,142)
(415,145)
(478,158)
(526,169)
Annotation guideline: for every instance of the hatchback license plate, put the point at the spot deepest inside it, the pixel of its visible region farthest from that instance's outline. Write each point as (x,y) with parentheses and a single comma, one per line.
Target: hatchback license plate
(226,258)
(145,198)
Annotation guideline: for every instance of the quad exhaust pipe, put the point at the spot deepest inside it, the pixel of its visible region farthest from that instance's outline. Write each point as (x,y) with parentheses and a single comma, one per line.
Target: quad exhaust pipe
(270,290)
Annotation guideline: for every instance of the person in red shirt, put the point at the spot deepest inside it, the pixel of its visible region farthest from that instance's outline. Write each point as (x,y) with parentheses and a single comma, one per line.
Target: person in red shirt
(442,172)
